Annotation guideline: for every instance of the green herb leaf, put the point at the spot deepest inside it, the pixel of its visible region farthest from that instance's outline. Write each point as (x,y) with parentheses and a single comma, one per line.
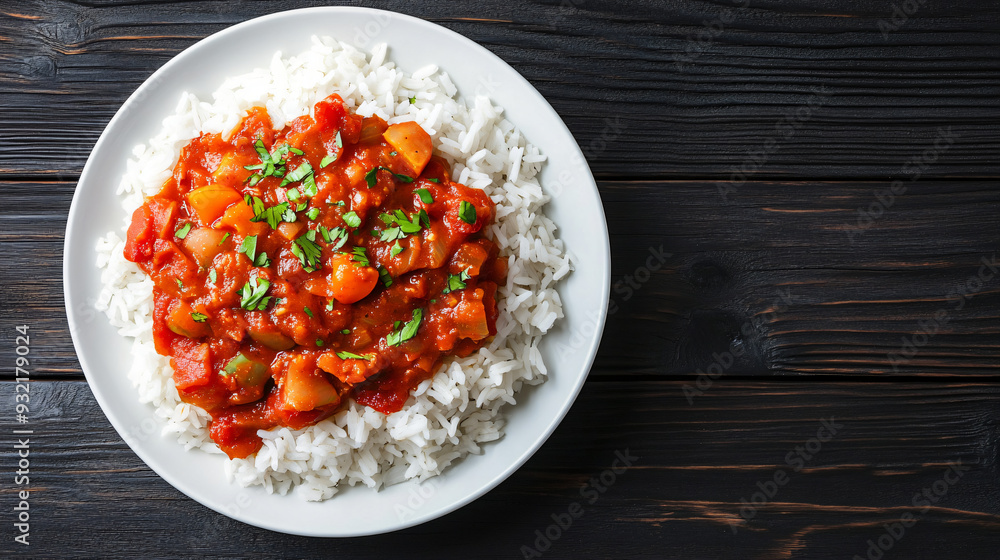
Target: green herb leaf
(425,196)
(313,213)
(308,252)
(345,331)
(249,247)
(308,311)
(297,174)
(344,355)
(327,160)
(360,257)
(433,180)
(212,276)
(372,176)
(384,276)
(467,212)
(456,281)
(408,331)
(329,305)
(319,342)
(273,215)
(199,317)
(262,260)
(352,219)
(292,194)
(182,233)
(223,240)
(396,249)
(179,283)
(340,143)
(413,100)
(252,294)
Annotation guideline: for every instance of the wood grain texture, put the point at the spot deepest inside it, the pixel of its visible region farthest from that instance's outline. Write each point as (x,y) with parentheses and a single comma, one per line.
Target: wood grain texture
(693,465)
(779,274)
(647,89)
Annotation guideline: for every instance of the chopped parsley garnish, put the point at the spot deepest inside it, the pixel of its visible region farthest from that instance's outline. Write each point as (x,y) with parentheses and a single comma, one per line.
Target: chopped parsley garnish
(252,294)
(179,283)
(273,215)
(335,237)
(329,305)
(403,226)
(223,240)
(262,260)
(212,275)
(372,176)
(297,174)
(408,331)
(413,99)
(199,317)
(456,281)
(467,212)
(352,219)
(272,164)
(182,233)
(345,331)
(319,342)
(308,311)
(336,202)
(301,206)
(308,252)
(330,158)
(249,247)
(292,195)
(396,249)
(434,180)
(360,256)
(425,196)
(393,153)
(344,355)
(313,213)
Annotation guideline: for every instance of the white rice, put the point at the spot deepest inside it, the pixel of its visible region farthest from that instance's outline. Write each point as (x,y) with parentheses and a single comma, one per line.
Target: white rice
(446,417)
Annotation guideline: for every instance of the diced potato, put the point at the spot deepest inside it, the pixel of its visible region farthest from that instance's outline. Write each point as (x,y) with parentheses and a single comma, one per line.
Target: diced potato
(412,143)
(272,339)
(305,387)
(203,244)
(180,321)
(211,201)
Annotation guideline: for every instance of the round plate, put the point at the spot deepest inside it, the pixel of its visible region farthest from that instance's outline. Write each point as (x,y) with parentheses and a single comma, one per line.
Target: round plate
(569,349)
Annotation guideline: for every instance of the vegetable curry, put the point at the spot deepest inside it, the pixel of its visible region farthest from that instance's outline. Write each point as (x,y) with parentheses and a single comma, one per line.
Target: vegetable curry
(295,269)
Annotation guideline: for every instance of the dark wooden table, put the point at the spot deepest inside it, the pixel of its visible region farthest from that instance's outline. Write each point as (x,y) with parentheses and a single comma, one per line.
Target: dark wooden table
(810,374)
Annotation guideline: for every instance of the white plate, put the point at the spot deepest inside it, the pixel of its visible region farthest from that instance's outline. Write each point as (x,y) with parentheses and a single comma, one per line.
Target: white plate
(568,350)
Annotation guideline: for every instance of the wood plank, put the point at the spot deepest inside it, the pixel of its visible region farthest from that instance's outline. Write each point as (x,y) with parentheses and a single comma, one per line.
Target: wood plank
(694,464)
(772,274)
(651,95)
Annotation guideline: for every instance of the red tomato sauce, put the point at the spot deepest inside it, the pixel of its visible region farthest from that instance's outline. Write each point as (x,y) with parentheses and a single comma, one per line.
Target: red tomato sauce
(295,269)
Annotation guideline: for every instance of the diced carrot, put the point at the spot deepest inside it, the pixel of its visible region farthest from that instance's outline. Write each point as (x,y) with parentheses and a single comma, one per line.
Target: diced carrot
(291,230)
(470,318)
(211,201)
(238,217)
(412,143)
(349,282)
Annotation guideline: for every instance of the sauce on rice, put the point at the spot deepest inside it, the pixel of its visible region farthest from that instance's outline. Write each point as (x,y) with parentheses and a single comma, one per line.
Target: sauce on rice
(296,268)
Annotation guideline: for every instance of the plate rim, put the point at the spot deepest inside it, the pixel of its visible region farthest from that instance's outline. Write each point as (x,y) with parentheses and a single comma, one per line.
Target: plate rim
(220,36)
